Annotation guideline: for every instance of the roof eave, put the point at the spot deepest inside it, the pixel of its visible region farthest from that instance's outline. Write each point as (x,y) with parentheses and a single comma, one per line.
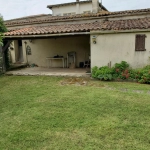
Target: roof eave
(118,31)
(45,35)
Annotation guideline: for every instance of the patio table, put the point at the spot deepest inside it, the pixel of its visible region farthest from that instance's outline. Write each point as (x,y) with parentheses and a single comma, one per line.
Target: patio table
(50,59)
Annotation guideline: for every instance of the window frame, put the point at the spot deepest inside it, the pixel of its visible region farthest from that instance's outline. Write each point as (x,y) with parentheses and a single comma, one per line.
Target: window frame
(140,40)
(69,14)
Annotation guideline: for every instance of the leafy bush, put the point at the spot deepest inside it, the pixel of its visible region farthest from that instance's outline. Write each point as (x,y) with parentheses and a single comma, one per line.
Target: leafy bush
(121,66)
(143,75)
(103,73)
(94,72)
(122,71)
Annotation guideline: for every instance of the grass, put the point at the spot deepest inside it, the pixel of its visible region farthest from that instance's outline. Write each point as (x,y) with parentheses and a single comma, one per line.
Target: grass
(37,113)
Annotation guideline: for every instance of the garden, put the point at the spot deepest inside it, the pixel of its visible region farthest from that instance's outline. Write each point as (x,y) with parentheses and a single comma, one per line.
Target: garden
(122,72)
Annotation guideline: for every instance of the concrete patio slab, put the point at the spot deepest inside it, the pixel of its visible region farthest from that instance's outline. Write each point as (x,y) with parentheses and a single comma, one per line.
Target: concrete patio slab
(39,71)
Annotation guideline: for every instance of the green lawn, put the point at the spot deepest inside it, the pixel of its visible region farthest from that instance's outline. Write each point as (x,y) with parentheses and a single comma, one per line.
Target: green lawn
(38,113)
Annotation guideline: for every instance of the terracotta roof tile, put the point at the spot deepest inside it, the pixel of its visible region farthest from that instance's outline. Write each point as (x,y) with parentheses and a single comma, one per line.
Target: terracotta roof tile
(143,23)
(50,18)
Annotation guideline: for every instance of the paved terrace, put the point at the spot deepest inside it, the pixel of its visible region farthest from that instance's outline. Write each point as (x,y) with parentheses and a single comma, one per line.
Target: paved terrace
(38,71)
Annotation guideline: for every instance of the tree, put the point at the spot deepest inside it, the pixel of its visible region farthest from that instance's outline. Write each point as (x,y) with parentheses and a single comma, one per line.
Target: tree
(2,29)
(2,55)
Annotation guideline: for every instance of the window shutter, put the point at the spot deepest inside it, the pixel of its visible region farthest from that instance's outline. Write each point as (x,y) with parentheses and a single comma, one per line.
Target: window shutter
(140,42)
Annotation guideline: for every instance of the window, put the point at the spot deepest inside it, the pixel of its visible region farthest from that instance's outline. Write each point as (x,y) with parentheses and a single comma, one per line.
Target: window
(87,12)
(58,14)
(65,14)
(73,13)
(69,14)
(140,42)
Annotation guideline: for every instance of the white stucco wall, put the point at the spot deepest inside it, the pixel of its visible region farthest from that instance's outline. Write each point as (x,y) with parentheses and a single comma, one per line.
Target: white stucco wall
(72,8)
(115,48)
(42,48)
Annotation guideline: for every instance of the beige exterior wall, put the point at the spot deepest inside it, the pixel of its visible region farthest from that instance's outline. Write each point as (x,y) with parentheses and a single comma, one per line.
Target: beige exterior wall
(119,47)
(78,9)
(42,48)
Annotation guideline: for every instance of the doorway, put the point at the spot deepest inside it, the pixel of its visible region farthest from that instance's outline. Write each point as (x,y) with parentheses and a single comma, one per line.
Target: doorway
(20,52)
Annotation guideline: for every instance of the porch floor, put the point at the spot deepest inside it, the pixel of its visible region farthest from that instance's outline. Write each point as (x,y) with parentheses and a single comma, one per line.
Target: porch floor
(77,72)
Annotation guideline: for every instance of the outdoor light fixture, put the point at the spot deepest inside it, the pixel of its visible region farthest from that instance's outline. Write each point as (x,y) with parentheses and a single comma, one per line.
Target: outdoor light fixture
(94,39)
(11,48)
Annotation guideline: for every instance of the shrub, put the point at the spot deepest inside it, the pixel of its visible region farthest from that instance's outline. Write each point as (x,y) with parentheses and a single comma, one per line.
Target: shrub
(103,73)
(122,71)
(143,75)
(94,72)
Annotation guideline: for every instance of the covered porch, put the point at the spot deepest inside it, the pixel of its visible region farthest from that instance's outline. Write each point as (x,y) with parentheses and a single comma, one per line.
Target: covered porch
(50,54)
(49,48)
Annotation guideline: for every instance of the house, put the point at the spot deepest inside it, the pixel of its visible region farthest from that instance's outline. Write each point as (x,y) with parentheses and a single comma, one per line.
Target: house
(86,28)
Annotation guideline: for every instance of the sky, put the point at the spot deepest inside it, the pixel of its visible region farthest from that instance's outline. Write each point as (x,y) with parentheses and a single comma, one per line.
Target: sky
(11,9)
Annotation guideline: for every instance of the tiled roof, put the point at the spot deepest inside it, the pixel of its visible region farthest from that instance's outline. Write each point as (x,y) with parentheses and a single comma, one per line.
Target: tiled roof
(52,29)
(28,17)
(50,18)
(116,25)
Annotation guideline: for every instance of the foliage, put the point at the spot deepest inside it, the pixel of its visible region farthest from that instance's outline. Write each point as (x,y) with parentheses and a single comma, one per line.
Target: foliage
(143,75)
(1,63)
(94,72)
(2,30)
(103,73)
(122,71)
(7,58)
(1,39)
